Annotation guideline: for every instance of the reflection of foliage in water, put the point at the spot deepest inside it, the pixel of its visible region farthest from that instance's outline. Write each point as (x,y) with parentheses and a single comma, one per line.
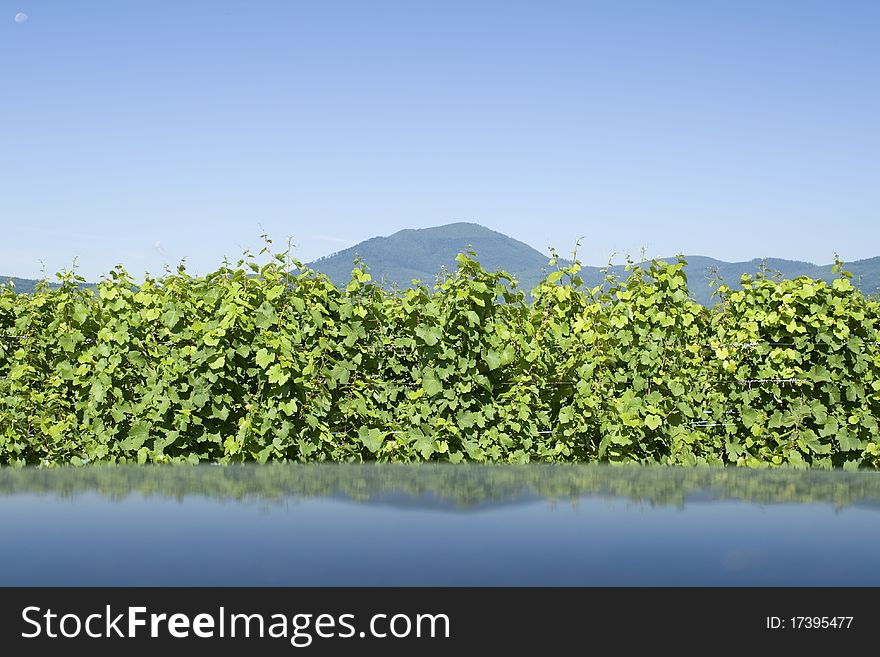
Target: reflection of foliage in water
(463,485)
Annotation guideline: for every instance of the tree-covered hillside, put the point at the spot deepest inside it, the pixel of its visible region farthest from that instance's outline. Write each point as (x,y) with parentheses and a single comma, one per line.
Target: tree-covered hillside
(421,254)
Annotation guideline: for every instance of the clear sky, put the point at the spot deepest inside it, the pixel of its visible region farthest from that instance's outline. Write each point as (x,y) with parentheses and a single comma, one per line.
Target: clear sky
(144,132)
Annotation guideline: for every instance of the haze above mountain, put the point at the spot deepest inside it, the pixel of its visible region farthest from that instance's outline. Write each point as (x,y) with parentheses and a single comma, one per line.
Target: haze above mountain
(420,254)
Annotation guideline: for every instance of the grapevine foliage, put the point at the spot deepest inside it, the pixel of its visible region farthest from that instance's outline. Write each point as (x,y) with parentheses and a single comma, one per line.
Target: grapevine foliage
(273,362)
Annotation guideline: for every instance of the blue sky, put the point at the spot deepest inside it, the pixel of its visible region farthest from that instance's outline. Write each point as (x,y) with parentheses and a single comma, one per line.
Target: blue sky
(143,133)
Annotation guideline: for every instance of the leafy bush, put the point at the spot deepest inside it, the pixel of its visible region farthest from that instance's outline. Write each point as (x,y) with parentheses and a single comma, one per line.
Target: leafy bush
(273,362)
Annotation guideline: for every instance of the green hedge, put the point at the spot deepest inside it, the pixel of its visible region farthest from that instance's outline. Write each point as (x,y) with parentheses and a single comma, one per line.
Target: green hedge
(274,362)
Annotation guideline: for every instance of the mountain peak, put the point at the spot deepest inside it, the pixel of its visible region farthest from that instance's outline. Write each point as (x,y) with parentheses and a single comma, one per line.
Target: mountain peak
(421,253)
(457,230)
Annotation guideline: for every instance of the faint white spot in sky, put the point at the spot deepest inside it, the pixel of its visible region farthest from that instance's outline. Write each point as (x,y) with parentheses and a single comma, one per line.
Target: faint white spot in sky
(157,245)
(21,17)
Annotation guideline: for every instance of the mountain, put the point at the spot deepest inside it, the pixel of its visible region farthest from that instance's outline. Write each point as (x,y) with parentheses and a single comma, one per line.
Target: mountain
(420,254)
(22,285)
(866,273)
(28,285)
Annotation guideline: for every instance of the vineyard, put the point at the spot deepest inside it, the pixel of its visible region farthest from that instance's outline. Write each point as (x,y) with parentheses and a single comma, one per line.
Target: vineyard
(273,362)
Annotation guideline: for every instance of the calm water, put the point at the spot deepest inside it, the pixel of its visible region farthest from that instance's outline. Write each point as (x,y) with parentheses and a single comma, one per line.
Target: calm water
(345,525)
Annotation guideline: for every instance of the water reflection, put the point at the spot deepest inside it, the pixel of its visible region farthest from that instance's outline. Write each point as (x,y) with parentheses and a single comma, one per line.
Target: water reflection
(432,525)
(457,487)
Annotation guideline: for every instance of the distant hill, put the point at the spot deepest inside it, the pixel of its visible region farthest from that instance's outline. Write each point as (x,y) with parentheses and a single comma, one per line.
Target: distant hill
(28,285)
(420,254)
(866,273)
(22,285)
